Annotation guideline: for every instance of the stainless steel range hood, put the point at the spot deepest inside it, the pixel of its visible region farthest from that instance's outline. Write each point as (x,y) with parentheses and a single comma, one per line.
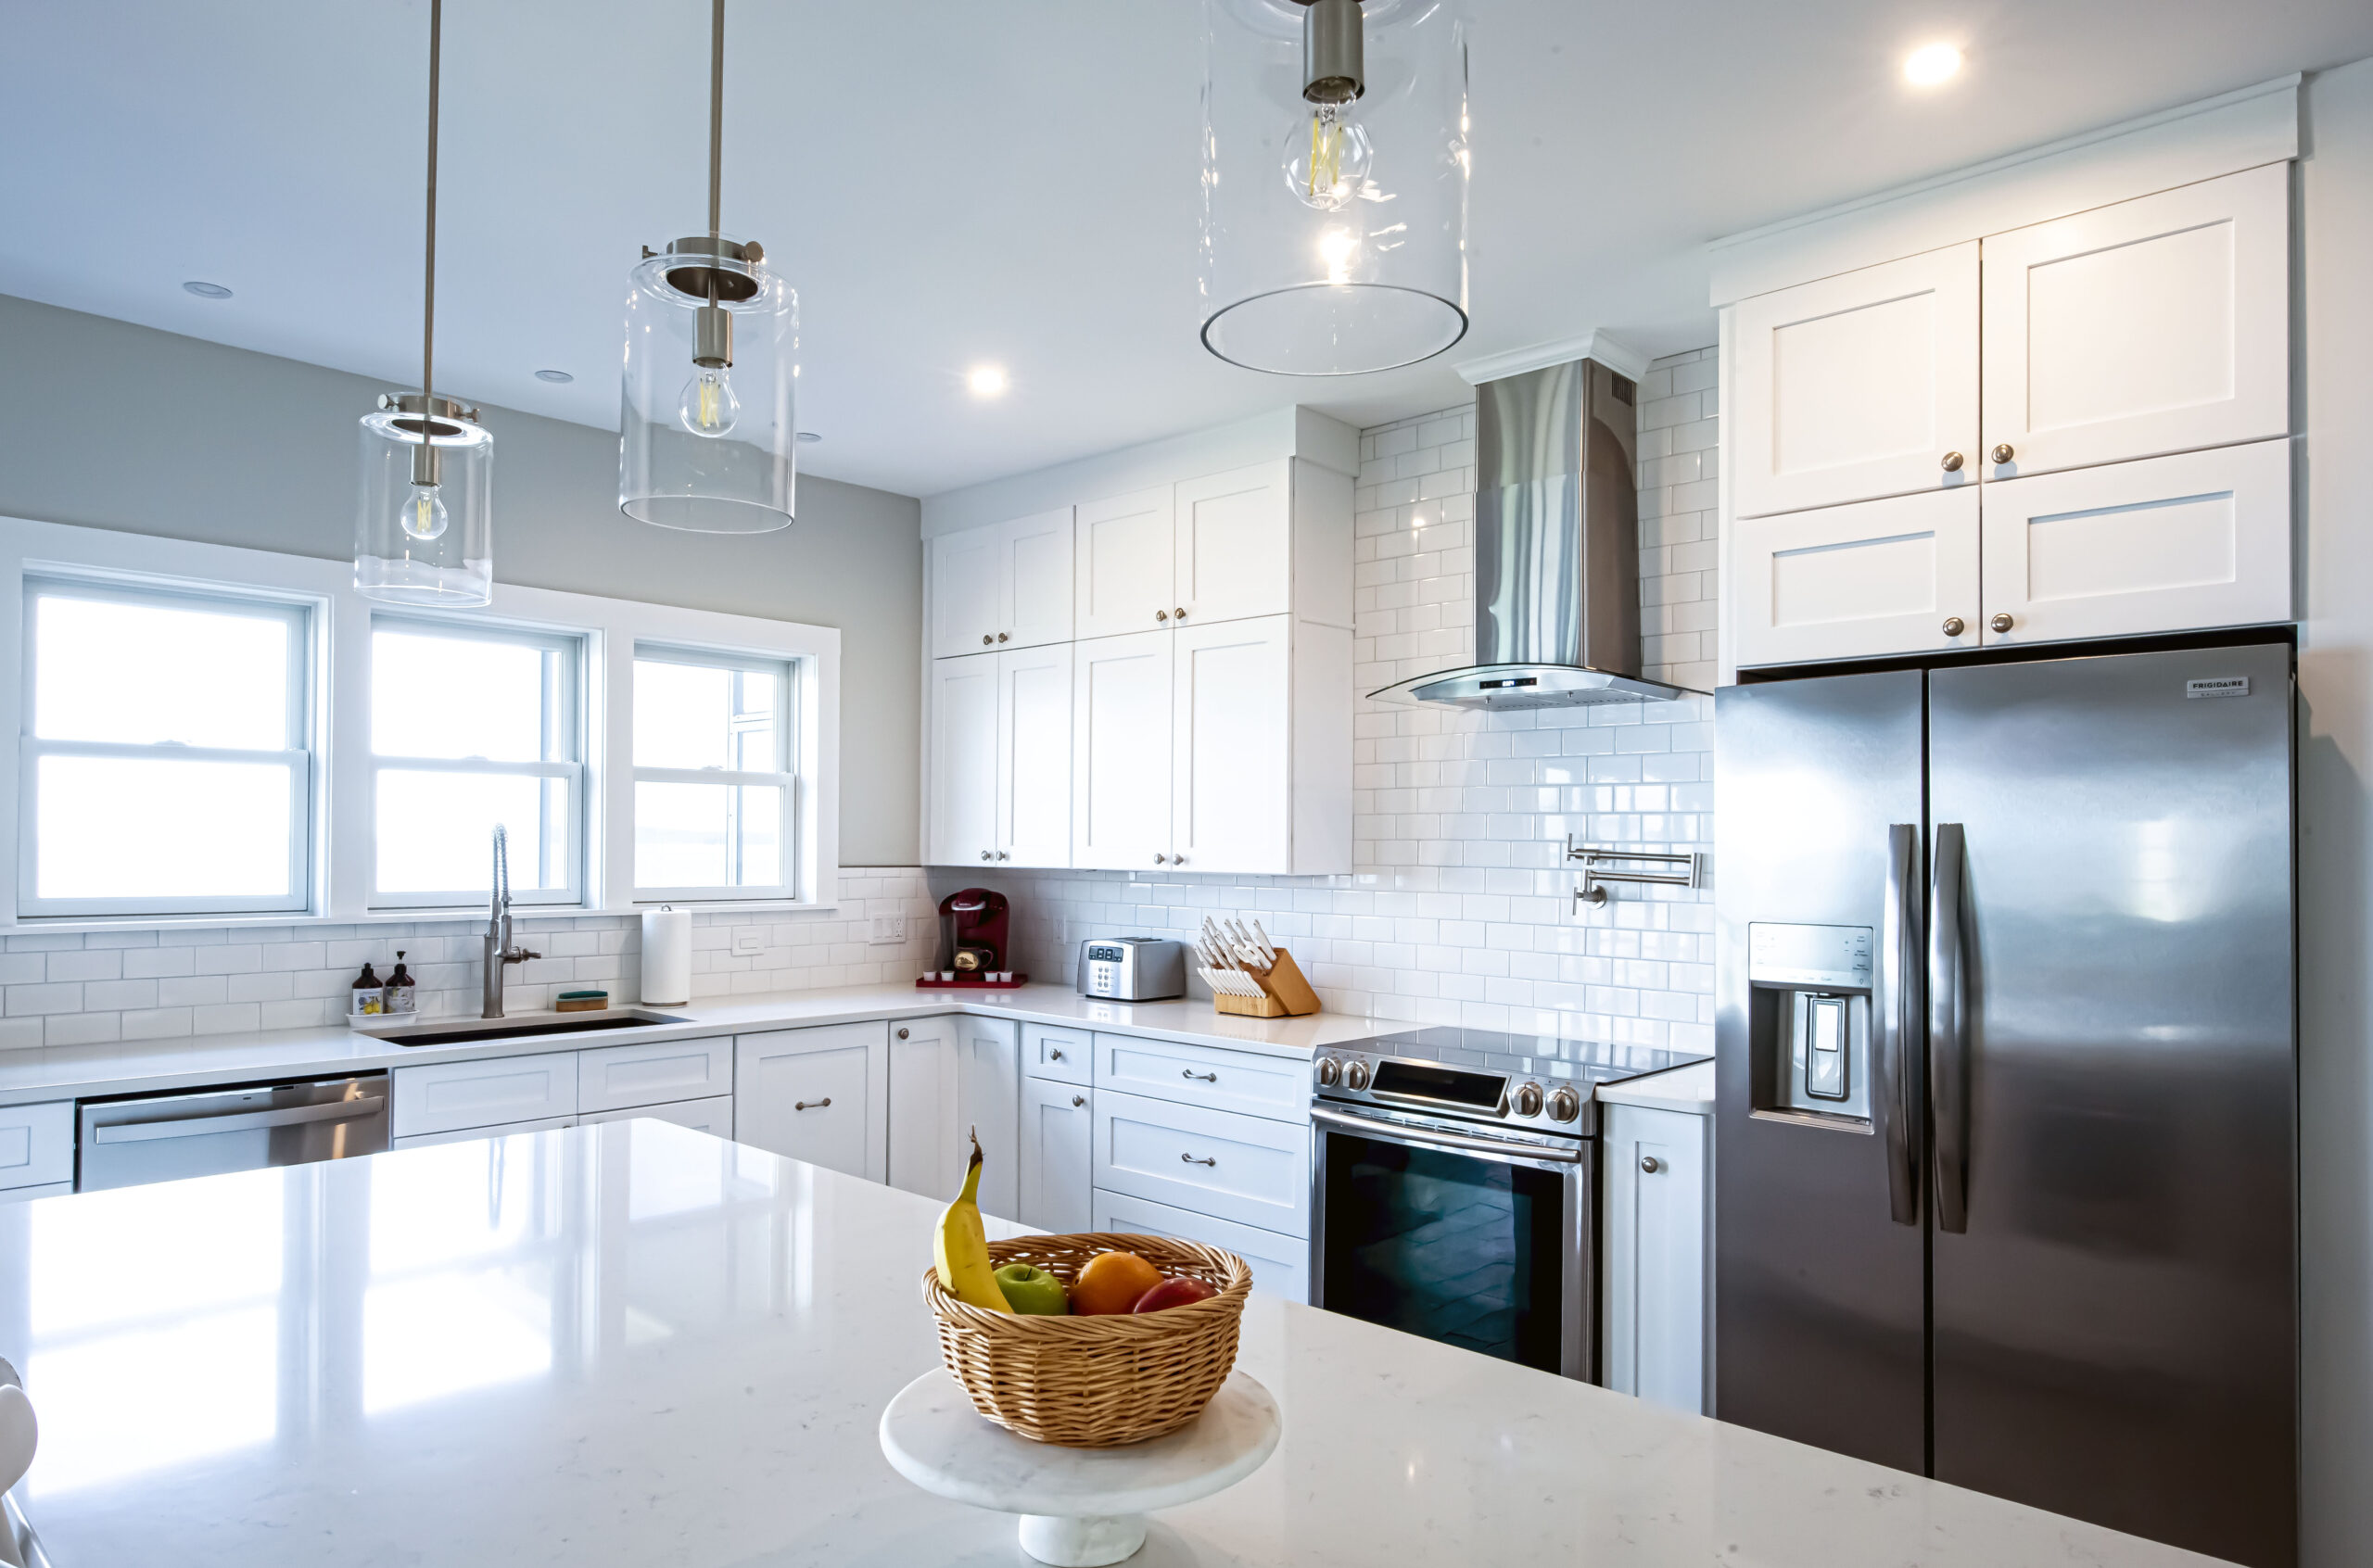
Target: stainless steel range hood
(1556,547)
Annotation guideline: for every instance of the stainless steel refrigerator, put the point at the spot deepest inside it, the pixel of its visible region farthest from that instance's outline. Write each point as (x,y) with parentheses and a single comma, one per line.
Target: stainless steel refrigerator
(2006,1156)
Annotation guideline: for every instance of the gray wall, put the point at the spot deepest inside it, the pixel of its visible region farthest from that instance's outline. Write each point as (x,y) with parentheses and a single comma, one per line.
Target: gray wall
(122,426)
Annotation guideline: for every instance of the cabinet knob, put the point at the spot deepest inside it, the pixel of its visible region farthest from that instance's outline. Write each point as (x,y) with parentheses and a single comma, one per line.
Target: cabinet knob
(2000,623)
(1162,614)
(1002,855)
(1178,860)
(1952,462)
(1179,613)
(1954,625)
(811,1104)
(1651,1164)
(1079,1099)
(2004,451)
(901,1034)
(986,855)
(1001,637)
(1162,860)
(986,639)
(1054,1055)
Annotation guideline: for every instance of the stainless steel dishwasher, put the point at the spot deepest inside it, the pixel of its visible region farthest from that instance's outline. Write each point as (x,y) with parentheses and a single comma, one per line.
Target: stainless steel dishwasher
(164,1137)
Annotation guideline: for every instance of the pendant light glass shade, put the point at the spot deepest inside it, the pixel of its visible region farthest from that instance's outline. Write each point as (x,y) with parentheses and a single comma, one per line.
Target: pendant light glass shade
(706,434)
(424,531)
(1335,176)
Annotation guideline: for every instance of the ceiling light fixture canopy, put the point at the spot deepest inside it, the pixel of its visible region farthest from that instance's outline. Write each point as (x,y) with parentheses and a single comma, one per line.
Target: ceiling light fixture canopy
(423,531)
(1335,177)
(707,438)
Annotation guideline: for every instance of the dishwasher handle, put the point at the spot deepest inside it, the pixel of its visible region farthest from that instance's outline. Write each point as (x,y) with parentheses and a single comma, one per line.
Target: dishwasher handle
(238,1122)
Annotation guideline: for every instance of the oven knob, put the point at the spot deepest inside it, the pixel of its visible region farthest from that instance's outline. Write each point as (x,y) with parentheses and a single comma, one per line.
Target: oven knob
(1329,1069)
(1564,1104)
(1356,1075)
(1529,1099)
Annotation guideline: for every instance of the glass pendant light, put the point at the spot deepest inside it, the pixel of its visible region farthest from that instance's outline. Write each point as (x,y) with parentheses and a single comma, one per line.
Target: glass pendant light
(1335,172)
(424,533)
(706,436)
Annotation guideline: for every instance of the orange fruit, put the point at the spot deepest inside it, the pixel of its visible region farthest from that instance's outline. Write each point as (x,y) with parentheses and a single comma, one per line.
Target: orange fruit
(1111,1282)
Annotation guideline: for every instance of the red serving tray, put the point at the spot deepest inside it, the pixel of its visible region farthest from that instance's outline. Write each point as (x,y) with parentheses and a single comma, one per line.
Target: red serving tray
(1016,983)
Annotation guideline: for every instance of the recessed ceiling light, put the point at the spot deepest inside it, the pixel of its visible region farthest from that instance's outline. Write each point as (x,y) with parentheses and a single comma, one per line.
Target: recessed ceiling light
(987,381)
(207,290)
(810,435)
(558,378)
(1930,64)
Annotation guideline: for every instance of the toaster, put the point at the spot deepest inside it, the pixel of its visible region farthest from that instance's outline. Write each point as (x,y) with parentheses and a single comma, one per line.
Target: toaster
(1131,969)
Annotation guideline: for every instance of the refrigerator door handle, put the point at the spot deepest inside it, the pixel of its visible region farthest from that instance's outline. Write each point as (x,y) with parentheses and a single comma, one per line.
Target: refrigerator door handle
(1897,1013)
(1947,1030)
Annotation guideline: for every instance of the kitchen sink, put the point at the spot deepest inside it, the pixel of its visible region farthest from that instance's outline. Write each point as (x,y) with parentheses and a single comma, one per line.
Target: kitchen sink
(488,1029)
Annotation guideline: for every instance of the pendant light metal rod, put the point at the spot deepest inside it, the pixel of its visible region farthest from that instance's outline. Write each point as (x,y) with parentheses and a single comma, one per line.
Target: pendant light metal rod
(715,110)
(428,301)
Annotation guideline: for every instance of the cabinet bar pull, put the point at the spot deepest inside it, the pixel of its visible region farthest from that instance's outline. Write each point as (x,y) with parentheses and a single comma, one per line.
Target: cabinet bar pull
(1204,1077)
(811,1104)
(1190,1159)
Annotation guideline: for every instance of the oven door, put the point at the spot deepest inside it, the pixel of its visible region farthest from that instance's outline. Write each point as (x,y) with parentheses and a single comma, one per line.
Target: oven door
(1421,1224)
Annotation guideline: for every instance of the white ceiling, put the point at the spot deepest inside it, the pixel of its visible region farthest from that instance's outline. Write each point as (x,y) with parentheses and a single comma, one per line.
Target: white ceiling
(954,182)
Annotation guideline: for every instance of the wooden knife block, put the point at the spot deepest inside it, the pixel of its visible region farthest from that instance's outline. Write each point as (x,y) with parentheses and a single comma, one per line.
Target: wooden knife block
(1284,993)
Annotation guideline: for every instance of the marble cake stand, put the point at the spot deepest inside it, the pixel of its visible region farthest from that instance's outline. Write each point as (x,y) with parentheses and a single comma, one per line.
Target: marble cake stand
(1080,1507)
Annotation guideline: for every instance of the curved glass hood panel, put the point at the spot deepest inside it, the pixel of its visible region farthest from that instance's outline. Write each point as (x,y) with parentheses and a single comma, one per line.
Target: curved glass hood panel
(1527,686)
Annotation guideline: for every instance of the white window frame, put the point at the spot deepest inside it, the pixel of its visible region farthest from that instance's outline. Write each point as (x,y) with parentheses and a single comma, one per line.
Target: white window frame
(783,775)
(564,706)
(298,618)
(340,849)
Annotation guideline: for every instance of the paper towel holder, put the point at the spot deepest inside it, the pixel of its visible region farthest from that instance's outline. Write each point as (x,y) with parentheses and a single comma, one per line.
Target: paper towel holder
(666,956)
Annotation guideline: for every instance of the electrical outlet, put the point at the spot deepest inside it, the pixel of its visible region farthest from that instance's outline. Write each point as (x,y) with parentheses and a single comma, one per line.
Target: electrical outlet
(749,941)
(889,929)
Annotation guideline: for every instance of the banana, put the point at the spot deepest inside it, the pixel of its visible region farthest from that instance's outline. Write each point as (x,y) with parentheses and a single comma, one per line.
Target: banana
(960,1247)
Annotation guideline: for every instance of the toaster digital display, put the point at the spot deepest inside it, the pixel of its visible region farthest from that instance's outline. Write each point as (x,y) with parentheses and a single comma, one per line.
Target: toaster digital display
(1102,955)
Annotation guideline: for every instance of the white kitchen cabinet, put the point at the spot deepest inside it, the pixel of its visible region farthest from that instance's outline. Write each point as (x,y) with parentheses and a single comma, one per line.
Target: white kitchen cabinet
(1856,386)
(468,1134)
(1241,1167)
(1121,739)
(27,1194)
(36,1144)
(2159,324)
(1898,575)
(1063,1054)
(1280,1264)
(618,1077)
(1235,545)
(1007,586)
(1653,1292)
(989,1085)
(1231,748)
(713,1116)
(1124,563)
(1211,1076)
(1057,1147)
(488,1091)
(927,1148)
(964,769)
(1033,794)
(2168,544)
(820,1094)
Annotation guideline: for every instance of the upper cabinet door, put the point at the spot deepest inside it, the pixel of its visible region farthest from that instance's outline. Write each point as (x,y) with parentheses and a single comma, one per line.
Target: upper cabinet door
(1231,747)
(1234,556)
(964,772)
(965,616)
(1121,751)
(1035,756)
(1123,564)
(1897,575)
(2156,325)
(1034,579)
(2174,543)
(1858,386)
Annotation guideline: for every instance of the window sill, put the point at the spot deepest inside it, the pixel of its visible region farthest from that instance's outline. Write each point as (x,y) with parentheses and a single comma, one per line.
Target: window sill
(521,915)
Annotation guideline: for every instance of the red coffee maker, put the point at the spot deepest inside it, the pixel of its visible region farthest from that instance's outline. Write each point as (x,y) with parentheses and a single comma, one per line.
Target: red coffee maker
(973,947)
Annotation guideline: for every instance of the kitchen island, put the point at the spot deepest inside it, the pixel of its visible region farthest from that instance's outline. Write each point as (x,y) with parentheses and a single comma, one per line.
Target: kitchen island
(632,1345)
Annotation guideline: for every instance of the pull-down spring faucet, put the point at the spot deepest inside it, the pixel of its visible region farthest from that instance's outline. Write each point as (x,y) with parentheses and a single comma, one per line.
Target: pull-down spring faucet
(500,952)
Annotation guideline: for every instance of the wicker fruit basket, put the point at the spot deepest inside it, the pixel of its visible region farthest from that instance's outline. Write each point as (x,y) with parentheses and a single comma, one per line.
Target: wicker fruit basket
(1095,1382)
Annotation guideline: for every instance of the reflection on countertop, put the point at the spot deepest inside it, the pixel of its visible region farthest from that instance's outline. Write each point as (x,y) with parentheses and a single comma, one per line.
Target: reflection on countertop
(633,1344)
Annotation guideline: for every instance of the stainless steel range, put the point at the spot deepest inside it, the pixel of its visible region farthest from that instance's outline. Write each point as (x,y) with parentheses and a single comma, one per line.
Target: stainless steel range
(1453,1187)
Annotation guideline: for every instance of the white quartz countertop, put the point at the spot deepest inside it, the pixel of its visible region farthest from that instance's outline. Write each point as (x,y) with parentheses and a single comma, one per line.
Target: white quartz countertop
(621,1346)
(1687,1089)
(158,1066)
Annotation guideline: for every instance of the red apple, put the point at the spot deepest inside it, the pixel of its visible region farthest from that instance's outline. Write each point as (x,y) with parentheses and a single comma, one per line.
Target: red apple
(1179,1292)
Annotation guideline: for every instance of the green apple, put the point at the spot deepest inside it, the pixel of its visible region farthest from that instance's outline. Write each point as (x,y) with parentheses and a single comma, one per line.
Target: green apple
(1033,1292)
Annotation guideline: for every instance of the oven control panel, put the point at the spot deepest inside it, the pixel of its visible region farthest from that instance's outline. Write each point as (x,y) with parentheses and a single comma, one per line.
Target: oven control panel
(1541,1098)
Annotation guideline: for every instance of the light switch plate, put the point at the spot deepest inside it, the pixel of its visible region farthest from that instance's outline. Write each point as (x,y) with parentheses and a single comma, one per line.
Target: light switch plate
(888,929)
(749,941)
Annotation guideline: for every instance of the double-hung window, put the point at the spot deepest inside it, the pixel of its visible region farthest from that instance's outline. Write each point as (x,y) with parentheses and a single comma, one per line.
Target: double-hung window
(472,726)
(167,753)
(715,791)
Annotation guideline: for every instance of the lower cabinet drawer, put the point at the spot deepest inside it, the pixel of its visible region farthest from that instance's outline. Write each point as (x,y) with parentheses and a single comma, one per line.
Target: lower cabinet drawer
(714,1117)
(1280,1264)
(1063,1054)
(653,1074)
(1242,1168)
(1205,1075)
(465,1134)
(36,1144)
(453,1096)
(26,1195)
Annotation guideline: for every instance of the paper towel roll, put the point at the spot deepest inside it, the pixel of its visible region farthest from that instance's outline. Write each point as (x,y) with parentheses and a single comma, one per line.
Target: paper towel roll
(666,956)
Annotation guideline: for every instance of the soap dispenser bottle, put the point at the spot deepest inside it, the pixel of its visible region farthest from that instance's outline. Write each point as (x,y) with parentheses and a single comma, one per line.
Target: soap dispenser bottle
(402,997)
(369,995)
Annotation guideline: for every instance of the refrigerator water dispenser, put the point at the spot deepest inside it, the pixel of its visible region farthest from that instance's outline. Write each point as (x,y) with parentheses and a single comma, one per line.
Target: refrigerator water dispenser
(1811,1019)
